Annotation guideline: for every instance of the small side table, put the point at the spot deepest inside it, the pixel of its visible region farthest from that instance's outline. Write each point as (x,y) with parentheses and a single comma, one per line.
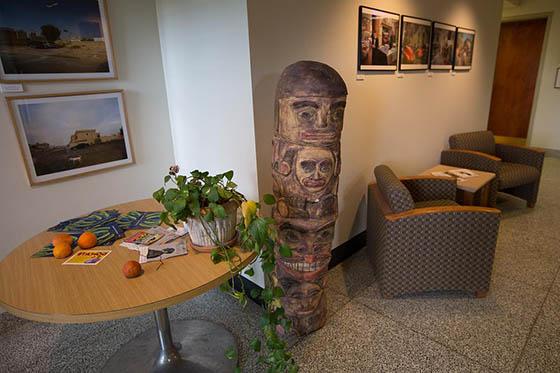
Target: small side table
(471,191)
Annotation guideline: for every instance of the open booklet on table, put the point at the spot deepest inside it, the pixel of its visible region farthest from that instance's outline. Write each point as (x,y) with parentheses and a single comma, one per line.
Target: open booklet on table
(157,243)
(461,174)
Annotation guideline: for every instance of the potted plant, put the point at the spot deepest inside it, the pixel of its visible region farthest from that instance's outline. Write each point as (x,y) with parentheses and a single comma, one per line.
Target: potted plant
(206,203)
(209,199)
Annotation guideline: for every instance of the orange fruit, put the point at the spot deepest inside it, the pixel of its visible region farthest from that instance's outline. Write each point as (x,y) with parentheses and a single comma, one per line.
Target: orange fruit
(132,269)
(62,238)
(62,250)
(87,240)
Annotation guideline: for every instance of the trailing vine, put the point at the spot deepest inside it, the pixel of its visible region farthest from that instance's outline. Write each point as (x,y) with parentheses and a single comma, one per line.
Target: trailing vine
(201,196)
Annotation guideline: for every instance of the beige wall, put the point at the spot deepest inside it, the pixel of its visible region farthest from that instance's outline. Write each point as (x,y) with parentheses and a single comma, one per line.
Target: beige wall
(26,210)
(401,122)
(544,130)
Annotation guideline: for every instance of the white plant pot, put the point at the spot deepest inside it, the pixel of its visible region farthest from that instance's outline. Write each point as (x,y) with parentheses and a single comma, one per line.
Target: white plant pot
(225,228)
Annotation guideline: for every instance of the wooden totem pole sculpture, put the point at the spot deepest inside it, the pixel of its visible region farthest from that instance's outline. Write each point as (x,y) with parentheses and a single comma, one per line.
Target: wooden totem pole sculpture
(310,102)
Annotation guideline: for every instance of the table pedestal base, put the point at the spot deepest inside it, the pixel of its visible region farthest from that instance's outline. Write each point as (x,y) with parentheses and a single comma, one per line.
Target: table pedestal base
(196,346)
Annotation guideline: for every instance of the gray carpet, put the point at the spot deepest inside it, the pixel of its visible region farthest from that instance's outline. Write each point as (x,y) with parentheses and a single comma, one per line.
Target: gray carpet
(516,328)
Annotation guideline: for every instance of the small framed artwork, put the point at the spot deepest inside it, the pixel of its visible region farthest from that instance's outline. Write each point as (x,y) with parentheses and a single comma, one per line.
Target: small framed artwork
(443,46)
(416,36)
(464,48)
(64,135)
(46,40)
(557,81)
(378,36)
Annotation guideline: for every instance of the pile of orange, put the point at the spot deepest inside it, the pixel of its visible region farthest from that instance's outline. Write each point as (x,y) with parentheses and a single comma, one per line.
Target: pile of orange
(63,243)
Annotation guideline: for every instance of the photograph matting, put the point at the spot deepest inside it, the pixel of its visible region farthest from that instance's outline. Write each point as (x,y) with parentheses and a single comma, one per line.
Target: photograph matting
(15,102)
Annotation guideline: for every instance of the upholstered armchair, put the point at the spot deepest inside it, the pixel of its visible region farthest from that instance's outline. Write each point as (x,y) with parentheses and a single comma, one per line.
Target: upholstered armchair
(420,240)
(517,168)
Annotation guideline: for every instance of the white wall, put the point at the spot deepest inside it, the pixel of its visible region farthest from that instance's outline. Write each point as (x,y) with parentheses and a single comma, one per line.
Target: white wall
(401,122)
(545,126)
(205,47)
(27,210)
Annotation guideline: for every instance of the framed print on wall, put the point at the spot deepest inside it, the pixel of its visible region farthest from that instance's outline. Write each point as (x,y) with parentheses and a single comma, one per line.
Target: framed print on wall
(415,43)
(443,46)
(45,40)
(63,135)
(378,36)
(464,48)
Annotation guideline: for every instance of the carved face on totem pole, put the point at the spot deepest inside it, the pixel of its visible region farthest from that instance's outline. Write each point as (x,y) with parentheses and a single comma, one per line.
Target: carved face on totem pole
(310,102)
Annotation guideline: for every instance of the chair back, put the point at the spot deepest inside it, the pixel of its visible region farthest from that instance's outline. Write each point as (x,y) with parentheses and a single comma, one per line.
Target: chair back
(480,141)
(393,190)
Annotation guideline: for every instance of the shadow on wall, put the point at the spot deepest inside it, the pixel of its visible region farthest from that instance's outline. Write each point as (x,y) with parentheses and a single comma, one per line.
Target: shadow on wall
(264,130)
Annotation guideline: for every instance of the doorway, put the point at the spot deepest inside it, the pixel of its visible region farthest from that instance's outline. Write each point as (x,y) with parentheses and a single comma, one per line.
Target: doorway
(515,79)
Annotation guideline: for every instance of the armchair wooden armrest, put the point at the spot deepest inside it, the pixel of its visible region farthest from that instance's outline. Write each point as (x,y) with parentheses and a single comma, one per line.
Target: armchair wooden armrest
(441,210)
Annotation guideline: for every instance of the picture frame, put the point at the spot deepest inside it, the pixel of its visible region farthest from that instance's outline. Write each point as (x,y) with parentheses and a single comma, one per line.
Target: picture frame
(378,38)
(71,134)
(442,49)
(49,40)
(557,81)
(415,43)
(464,48)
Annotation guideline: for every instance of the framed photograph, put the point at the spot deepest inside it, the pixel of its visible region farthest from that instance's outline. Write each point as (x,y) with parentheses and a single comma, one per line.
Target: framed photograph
(416,36)
(43,40)
(378,39)
(443,46)
(557,81)
(464,48)
(63,135)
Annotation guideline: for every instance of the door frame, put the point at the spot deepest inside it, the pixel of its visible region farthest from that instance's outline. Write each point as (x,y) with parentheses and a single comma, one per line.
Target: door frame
(528,17)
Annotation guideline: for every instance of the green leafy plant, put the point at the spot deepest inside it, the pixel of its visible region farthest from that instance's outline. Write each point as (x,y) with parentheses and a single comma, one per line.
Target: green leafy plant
(202,196)
(198,195)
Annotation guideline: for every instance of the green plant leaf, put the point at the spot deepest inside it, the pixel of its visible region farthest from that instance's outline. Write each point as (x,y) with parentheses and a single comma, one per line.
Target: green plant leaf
(267,267)
(229,175)
(213,195)
(250,272)
(158,194)
(219,211)
(231,353)
(269,199)
(256,345)
(166,179)
(277,292)
(285,251)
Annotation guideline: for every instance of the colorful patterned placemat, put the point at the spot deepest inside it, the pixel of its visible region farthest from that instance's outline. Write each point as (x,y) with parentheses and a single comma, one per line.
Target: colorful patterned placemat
(86,223)
(139,220)
(108,226)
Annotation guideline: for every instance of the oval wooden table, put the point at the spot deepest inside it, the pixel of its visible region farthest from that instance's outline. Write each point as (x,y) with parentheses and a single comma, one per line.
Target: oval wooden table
(42,289)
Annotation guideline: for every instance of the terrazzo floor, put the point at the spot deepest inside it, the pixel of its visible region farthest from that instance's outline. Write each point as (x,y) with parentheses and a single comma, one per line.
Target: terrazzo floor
(515,329)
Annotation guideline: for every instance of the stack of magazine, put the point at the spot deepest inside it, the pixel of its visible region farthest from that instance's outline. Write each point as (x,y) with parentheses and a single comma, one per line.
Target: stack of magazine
(461,174)
(157,243)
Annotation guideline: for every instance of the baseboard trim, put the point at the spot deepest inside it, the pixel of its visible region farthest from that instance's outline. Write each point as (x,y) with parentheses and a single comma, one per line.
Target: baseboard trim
(552,152)
(346,249)
(339,254)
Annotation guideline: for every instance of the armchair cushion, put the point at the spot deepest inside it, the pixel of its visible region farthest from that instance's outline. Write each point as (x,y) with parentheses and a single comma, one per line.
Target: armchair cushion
(515,174)
(394,192)
(435,203)
(521,154)
(480,141)
(427,188)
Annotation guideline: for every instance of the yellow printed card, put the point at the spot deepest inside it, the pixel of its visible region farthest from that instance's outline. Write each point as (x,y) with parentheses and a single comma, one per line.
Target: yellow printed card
(87,257)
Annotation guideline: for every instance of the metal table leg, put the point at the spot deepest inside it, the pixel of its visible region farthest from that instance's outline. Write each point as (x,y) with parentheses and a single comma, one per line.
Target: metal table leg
(199,346)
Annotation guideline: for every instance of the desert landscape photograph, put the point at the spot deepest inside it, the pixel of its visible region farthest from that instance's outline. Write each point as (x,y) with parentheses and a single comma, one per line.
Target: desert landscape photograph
(48,39)
(69,135)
